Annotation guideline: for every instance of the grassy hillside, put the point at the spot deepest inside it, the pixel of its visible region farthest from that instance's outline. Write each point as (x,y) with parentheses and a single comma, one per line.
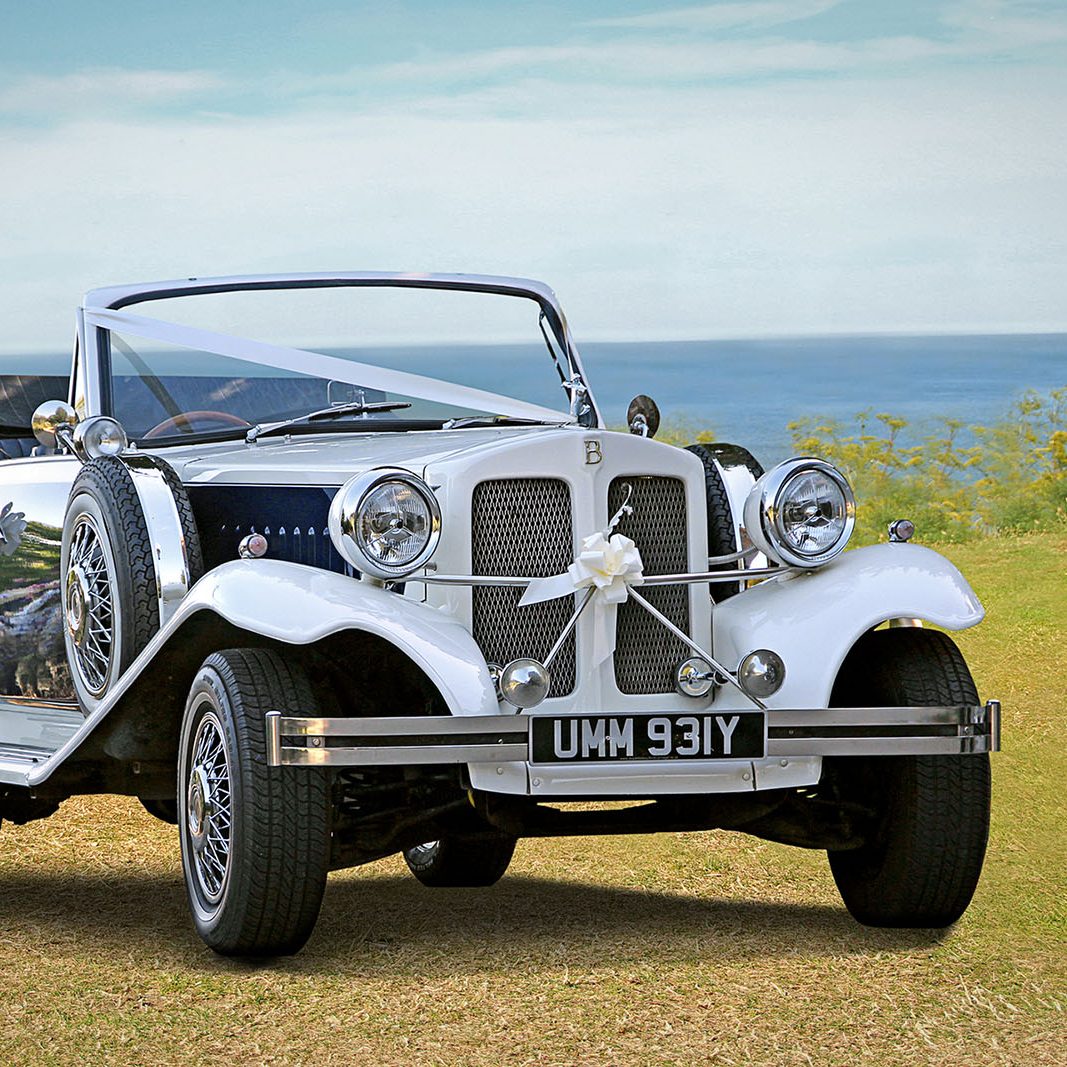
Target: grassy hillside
(673,949)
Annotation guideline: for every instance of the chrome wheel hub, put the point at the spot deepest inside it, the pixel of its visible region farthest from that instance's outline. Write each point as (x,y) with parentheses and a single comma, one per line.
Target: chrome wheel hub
(88,605)
(199,807)
(208,809)
(79,604)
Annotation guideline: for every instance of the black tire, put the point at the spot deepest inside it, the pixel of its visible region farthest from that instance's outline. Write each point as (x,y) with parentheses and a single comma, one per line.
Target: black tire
(255,886)
(108,574)
(164,810)
(459,861)
(722,538)
(927,842)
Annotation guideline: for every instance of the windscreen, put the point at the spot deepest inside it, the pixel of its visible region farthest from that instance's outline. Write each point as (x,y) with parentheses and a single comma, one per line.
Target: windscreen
(492,346)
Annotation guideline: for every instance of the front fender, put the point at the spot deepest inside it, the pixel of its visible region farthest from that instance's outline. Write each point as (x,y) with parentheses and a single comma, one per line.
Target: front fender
(300,605)
(812,620)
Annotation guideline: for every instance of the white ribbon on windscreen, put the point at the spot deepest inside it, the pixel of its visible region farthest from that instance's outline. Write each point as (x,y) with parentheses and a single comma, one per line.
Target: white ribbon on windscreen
(318,365)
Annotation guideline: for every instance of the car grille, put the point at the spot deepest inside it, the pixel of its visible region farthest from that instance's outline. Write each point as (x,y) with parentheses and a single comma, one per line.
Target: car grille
(645,652)
(522,526)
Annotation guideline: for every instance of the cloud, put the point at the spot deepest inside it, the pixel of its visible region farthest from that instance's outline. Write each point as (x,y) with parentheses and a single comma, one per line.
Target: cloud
(652,62)
(705,211)
(1005,24)
(721,16)
(667,184)
(970,32)
(103,90)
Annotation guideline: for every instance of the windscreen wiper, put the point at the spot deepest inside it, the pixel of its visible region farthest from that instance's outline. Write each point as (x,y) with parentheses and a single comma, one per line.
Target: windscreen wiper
(494,420)
(359,407)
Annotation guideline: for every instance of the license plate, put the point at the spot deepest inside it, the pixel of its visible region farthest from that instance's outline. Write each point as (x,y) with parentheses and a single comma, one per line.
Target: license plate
(585,738)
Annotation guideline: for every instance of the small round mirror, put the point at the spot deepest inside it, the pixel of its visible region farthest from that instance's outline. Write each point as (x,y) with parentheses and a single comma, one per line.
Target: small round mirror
(642,416)
(51,416)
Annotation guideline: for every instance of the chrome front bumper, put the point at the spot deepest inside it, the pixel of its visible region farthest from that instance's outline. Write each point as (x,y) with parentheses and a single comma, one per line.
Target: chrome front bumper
(294,740)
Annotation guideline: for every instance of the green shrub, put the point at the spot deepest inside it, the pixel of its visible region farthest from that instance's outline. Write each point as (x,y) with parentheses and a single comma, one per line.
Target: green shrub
(1012,479)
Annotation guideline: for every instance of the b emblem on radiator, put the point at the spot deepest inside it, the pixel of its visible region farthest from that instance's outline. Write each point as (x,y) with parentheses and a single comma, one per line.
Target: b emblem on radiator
(592,452)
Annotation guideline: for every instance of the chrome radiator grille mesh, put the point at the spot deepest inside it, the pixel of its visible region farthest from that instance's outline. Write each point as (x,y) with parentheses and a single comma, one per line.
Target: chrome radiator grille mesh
(523,526)
(645,653)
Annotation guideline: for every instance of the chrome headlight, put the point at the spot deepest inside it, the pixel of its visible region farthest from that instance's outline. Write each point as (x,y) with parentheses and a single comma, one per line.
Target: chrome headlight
(99,436)
(386,523)
(801,512)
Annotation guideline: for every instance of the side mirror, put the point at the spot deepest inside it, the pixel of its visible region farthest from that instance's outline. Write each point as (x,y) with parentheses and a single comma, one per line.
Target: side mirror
(53,422)
(642,416)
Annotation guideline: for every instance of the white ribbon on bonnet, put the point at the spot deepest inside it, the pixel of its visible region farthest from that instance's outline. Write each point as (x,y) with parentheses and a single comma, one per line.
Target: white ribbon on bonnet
(607,564)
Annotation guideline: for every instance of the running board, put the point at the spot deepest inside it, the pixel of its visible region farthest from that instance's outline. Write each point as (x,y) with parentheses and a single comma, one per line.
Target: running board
(30,735)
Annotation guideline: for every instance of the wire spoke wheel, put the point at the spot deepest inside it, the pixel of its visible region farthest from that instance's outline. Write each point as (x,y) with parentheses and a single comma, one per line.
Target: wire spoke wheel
(209,808)
(110,592)
(88,603)
(255,839)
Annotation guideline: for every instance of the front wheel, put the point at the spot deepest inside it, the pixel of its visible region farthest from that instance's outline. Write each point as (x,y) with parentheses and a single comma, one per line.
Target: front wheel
(255,840)
(927,838)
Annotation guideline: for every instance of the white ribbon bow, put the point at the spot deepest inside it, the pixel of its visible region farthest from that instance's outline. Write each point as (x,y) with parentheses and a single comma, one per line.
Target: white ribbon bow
(608,565)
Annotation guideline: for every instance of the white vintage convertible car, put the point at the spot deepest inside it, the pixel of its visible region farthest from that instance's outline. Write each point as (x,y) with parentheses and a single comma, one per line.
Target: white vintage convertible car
(263,569)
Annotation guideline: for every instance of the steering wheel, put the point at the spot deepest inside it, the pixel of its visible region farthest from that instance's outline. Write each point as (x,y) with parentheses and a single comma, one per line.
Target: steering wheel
(184,421)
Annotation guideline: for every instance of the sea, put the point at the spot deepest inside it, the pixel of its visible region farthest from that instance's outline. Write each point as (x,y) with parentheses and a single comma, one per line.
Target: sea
(748,391)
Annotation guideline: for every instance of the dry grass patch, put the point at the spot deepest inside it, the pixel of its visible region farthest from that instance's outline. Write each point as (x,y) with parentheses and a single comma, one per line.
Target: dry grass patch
(672,949)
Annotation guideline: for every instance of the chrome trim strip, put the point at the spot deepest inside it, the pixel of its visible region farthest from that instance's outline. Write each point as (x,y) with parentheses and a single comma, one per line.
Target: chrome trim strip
(169,551)
(403,755)
(650,579)
(950,715)
(993,706)
(878,746)
(718,576)
(401,726)
(714,561)
(274,738)
(948,730)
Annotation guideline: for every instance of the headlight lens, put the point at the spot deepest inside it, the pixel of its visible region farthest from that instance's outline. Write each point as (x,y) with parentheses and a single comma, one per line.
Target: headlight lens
(812,512)
(386,523)
(802,512)
(393,524)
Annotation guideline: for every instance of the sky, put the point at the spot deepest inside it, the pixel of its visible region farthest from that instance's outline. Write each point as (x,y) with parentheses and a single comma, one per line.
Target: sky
(741,168)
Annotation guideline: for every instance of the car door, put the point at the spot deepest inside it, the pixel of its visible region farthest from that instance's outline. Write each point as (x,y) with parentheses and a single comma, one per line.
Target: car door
(33,495)
(33,499)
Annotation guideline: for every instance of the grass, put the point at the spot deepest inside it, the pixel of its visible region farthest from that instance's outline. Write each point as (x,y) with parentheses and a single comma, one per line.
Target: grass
(672,949)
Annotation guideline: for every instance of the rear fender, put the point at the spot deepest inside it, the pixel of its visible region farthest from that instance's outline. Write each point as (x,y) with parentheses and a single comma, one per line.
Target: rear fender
(812,620)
